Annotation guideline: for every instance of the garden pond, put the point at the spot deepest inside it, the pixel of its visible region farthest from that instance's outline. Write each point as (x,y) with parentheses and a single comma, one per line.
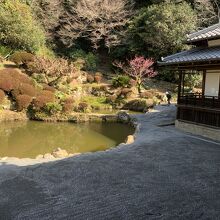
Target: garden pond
(31,138)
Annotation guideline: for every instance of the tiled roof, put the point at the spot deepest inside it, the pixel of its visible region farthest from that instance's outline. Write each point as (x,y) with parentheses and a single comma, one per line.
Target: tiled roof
(194,55)
(207,33)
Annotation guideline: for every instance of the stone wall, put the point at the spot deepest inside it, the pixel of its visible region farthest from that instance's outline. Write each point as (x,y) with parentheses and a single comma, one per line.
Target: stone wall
(199,130)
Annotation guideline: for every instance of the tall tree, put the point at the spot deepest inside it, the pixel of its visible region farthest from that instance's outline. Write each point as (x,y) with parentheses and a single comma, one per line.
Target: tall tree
(161,29)
(18,27)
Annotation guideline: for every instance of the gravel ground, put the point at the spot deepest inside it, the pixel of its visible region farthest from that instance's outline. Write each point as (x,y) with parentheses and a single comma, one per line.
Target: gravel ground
(165,174)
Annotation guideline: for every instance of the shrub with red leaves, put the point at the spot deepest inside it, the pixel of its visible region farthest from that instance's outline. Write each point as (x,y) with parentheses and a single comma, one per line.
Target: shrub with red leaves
(23,101)
(7,82)
(68,105)
(2,96)
(10,79)
(24,89)
(42,99)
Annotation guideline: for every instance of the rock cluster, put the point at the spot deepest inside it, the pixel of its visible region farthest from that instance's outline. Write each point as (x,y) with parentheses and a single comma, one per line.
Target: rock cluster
(58,153)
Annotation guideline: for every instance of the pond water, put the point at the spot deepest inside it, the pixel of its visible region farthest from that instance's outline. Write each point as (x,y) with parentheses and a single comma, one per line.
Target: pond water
(31,138)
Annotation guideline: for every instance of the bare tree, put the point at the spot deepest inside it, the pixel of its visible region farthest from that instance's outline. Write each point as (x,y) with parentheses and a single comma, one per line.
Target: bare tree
(48,12)
(97,20)
(209,11)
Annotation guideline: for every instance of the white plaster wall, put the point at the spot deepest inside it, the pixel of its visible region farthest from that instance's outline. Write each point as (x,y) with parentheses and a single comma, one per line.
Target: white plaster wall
(212,83)
(212,43)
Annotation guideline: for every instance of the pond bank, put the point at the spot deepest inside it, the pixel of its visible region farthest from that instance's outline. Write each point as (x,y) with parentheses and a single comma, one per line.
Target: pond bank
(48,140)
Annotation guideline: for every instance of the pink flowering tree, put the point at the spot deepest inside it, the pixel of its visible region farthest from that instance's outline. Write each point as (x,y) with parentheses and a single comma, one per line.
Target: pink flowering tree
(139,69)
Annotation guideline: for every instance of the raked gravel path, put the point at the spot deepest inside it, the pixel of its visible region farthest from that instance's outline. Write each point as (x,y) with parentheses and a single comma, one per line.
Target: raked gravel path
(165,174)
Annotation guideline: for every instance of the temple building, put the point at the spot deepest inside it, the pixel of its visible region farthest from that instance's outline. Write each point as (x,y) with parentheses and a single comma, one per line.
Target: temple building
(199,112)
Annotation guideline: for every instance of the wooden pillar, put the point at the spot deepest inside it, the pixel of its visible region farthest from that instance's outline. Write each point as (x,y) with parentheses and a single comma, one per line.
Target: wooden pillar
(183,82)
(180,85)
(219,89)
(203,82)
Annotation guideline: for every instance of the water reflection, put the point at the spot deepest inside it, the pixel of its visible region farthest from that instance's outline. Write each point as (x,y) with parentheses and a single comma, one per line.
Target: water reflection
(29,139)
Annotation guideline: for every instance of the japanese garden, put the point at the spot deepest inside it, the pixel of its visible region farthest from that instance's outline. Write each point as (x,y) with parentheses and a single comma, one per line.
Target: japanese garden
(109,109)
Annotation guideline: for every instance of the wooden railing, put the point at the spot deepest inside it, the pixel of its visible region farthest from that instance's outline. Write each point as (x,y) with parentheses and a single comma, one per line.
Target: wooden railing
(199,109)
(199,100)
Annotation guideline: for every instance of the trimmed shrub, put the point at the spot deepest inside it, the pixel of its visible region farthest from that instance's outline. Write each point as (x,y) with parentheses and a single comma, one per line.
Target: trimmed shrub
(7,81)
(10,79)
(47,94)
(42,99)
(27,89)
(121,81)
(23,101)
(22,57)
(68,105)
(90,78)
(98,77)
(2,96)
(49,88)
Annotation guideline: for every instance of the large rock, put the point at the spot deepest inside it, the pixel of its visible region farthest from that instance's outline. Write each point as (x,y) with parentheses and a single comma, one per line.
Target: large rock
(139,105)
(59,153)
(123,117)
(130,139)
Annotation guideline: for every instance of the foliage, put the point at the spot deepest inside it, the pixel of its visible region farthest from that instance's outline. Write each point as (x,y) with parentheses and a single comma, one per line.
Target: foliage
(18,28)
(100,21)
(90,59)
(5,51)
(193,80)
(52,108)
(95,102)
(160,29)
(2,96)
(121,81)
(23,101)
(138,68)
(24,89)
